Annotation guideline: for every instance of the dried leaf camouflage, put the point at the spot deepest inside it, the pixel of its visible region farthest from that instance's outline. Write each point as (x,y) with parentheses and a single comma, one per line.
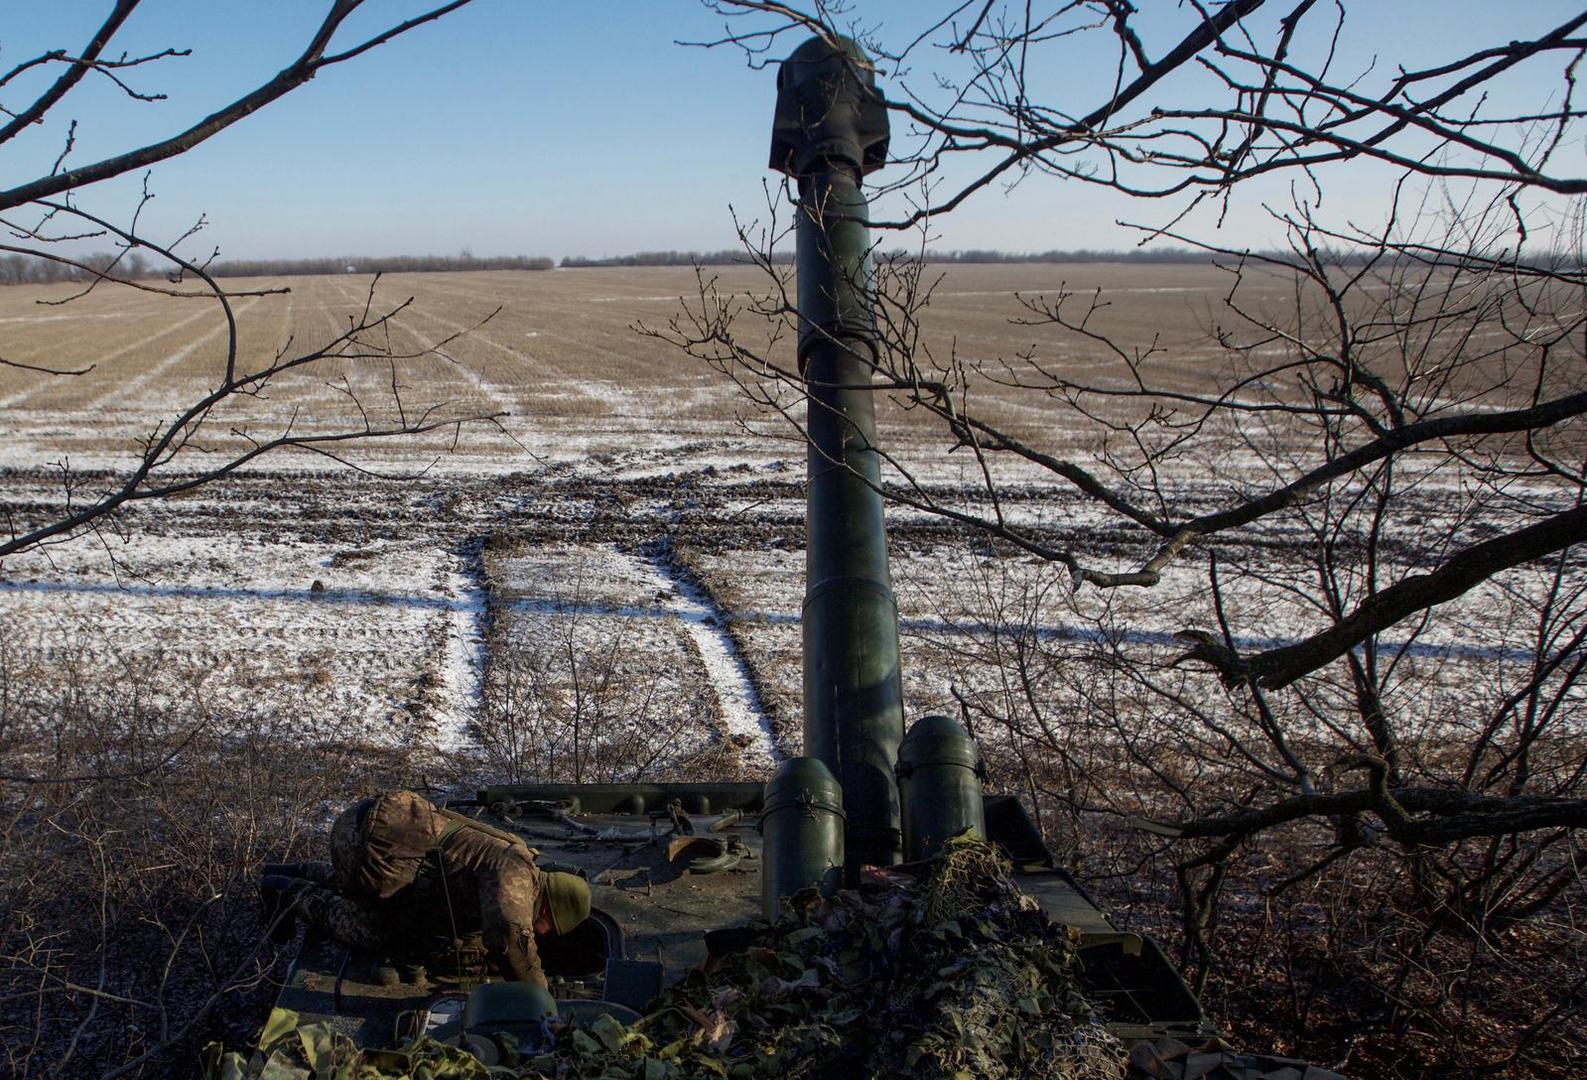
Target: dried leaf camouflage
(951,973)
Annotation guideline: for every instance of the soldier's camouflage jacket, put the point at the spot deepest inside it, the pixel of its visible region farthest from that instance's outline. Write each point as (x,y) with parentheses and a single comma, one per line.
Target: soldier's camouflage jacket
(408,880)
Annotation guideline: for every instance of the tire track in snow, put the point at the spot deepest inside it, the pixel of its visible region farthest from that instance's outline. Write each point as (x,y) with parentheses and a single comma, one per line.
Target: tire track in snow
(742,711)
(462,649)
(45,381)
(124,392)
(678,598)
(498,397)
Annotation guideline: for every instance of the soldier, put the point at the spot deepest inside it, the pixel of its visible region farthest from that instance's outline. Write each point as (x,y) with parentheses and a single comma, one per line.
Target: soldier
(408,879)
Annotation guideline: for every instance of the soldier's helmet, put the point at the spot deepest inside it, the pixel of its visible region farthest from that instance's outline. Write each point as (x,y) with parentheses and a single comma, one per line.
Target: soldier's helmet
(568,898)
(347,842)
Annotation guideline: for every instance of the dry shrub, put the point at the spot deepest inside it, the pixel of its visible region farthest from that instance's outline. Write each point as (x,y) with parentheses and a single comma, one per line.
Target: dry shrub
(1322,936)
(133,819)
(572,694)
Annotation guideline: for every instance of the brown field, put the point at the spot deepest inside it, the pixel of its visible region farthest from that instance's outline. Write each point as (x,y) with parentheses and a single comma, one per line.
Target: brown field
(304,631)
(561,355)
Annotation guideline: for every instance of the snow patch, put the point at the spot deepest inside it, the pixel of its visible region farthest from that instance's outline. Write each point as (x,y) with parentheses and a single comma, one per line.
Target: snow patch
(462,657)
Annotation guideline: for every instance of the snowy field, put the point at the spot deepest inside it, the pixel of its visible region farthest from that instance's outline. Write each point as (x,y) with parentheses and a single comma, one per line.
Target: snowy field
(624,513)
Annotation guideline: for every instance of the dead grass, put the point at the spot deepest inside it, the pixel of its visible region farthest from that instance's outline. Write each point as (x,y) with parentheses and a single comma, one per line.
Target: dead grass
(132,824)
(1353,970)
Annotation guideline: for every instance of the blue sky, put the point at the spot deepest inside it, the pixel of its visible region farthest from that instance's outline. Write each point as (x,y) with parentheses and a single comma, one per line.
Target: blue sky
(554,128)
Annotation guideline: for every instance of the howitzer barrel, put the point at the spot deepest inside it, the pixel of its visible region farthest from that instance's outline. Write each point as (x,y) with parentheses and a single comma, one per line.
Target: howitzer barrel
(831,128)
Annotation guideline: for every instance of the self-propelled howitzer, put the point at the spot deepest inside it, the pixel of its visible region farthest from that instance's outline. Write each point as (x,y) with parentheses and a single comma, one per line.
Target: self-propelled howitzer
(680,873)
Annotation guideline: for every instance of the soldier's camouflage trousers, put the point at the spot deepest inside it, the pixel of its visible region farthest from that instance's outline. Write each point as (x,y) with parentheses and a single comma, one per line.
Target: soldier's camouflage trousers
(347,920)
(370,928)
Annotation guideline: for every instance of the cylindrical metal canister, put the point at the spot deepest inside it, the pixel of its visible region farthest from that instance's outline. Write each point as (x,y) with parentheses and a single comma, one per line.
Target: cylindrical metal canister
(939,784)
(802,827)
(516,1007)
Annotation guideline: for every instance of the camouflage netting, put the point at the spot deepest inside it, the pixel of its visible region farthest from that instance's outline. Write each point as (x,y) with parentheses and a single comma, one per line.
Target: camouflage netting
(952,973)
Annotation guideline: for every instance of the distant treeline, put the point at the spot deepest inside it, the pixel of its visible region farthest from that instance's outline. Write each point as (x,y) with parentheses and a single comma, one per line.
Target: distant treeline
(1079,255)
(1139,256)
(725,257)
(32,270)
(383,264)
(736,256)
